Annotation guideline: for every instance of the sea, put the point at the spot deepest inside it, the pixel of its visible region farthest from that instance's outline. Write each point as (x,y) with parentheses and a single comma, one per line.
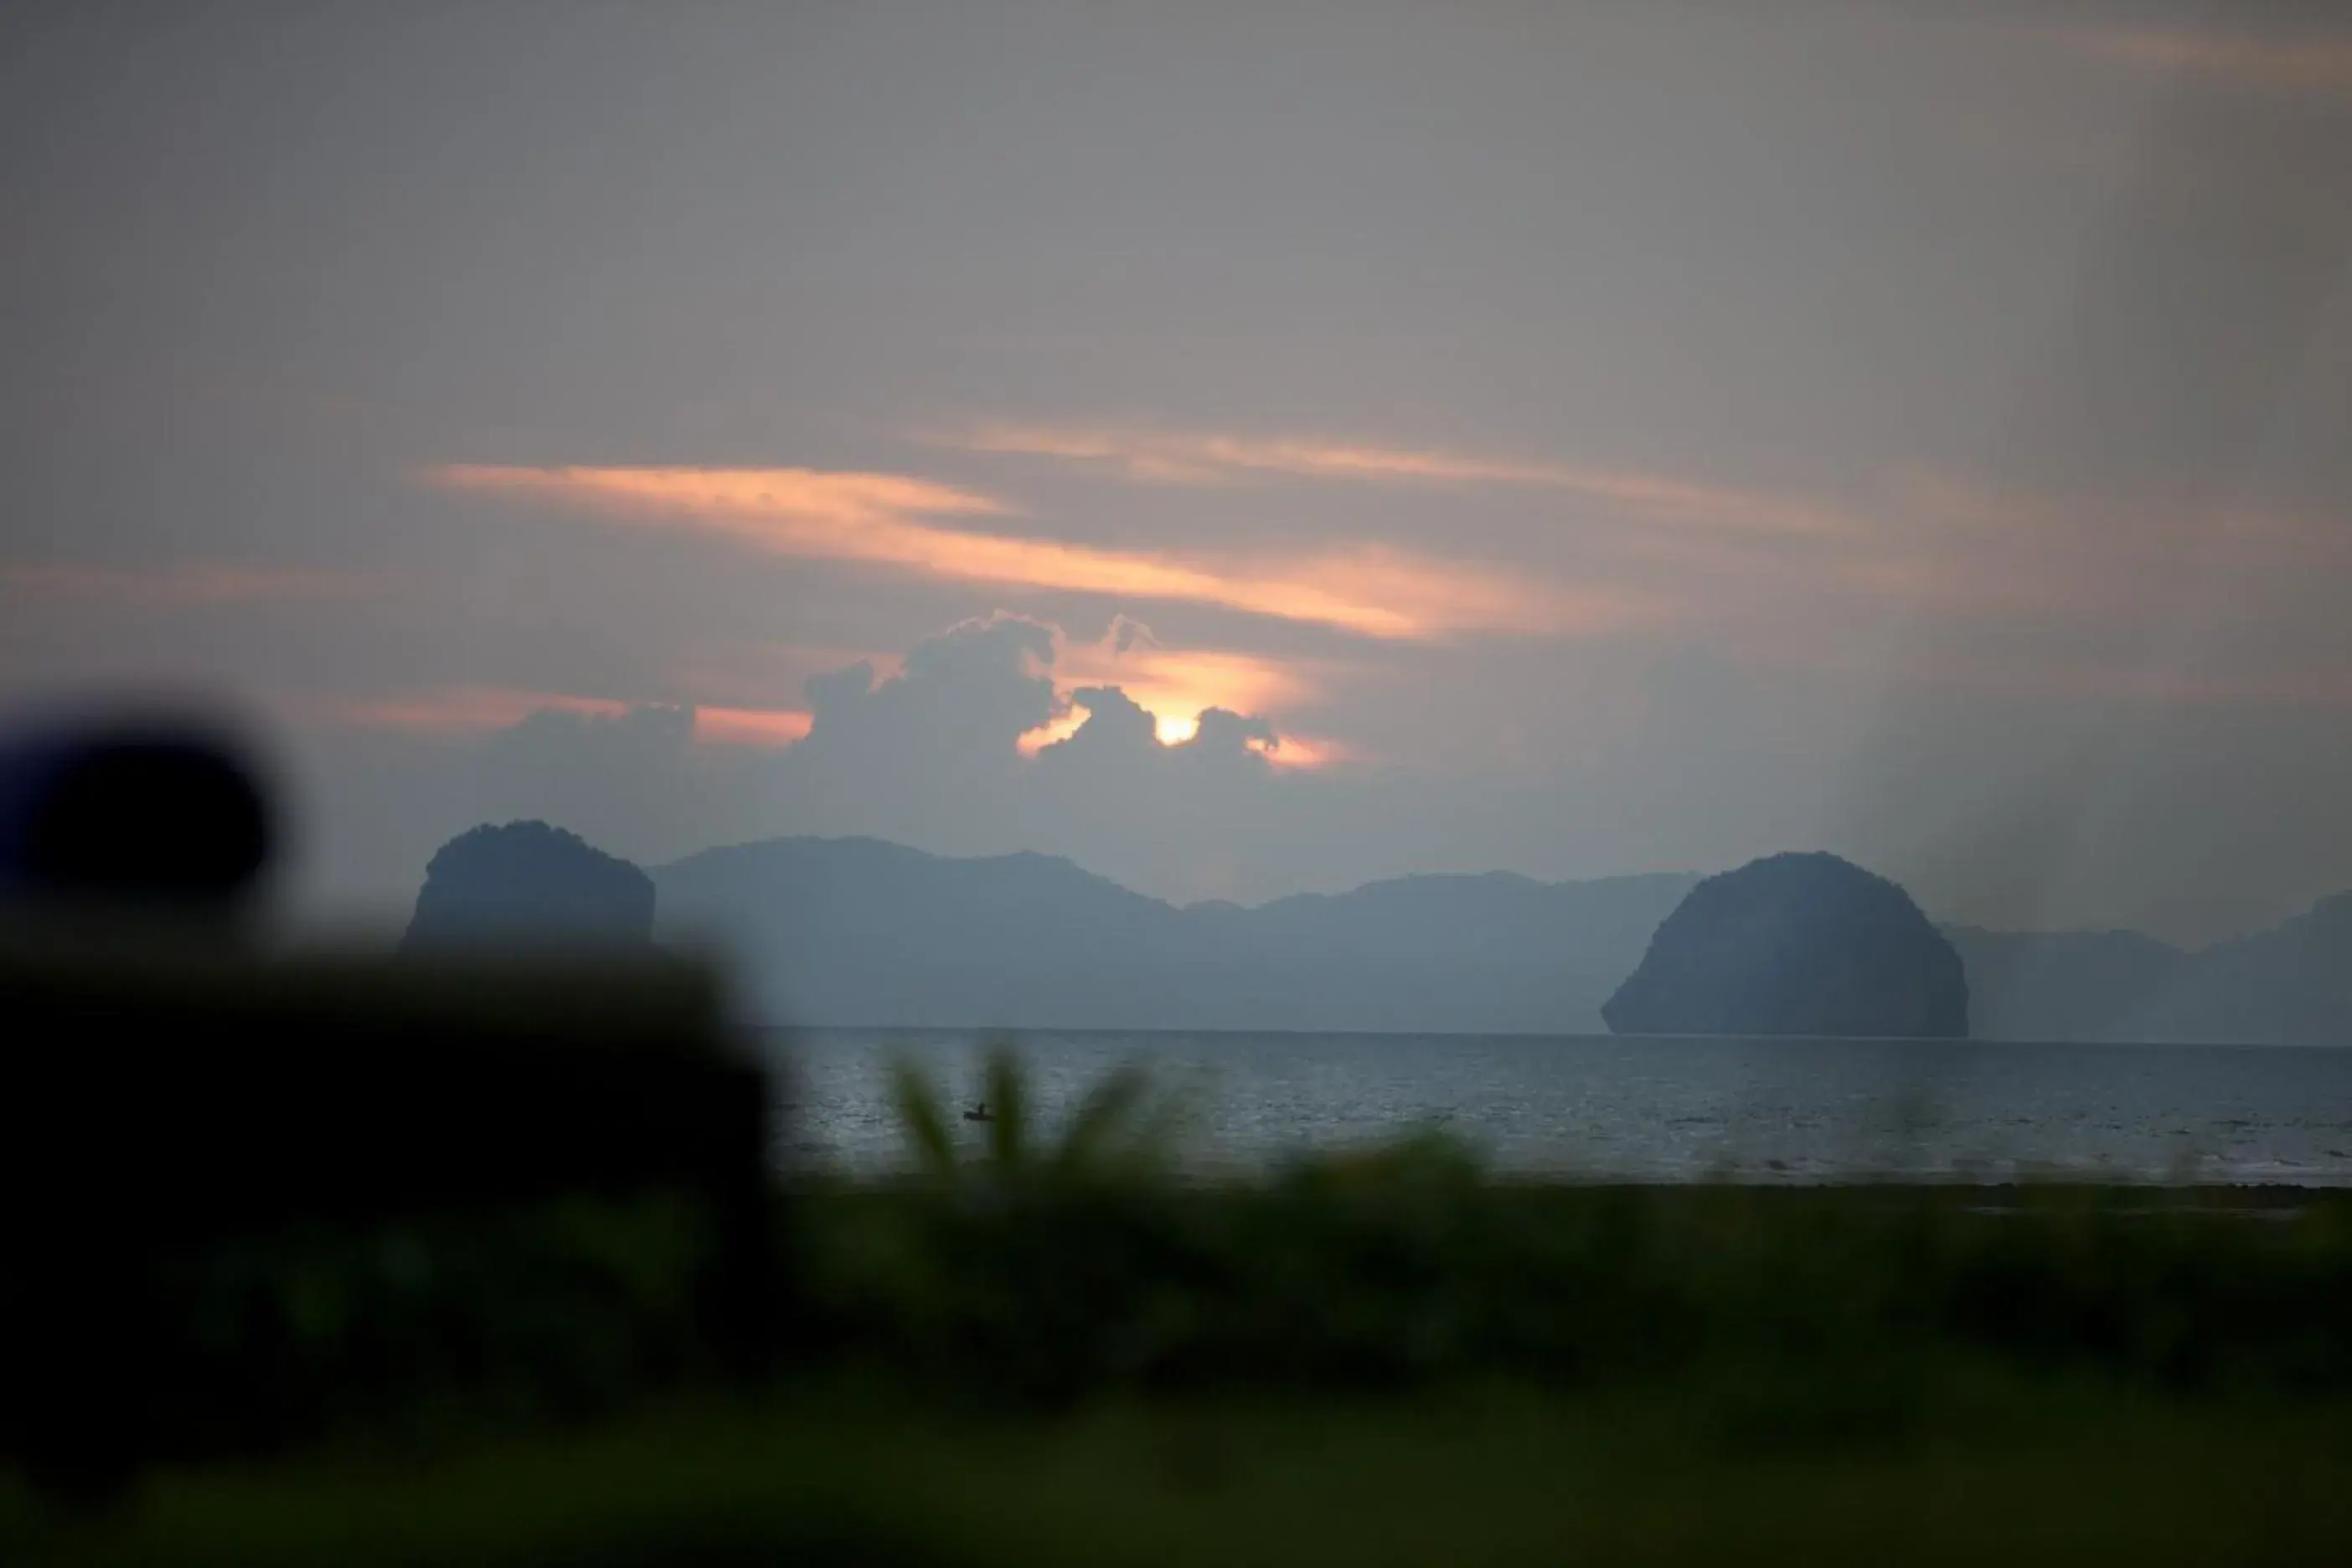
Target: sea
(1638,1109)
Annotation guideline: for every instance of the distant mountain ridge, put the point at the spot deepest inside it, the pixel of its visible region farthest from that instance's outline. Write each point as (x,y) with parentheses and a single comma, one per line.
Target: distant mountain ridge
(851,931)
(2292,984)
(2063,986)
(857,932)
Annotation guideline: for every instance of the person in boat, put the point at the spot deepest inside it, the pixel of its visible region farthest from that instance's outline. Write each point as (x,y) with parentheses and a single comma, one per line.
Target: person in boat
(978,1112)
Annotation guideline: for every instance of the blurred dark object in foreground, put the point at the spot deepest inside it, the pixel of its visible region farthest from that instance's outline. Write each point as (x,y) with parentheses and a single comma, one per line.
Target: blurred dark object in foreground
(130,817)
(163,1094)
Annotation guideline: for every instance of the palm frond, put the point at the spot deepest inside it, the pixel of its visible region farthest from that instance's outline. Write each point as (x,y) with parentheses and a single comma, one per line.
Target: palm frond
(1093,1135)
(1008,1107)
(922,1119)
(1157,1136)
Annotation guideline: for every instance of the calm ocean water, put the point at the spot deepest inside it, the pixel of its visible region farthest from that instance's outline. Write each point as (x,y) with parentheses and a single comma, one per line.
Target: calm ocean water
(1767,1110)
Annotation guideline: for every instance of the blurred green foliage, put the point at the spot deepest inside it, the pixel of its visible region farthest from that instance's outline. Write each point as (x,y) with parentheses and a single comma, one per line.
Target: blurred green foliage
(1033,1271)
(1018,1278)
(1016,1265)
(1120,1133)
(2008,1470)
(419,1332)
(1407,1265)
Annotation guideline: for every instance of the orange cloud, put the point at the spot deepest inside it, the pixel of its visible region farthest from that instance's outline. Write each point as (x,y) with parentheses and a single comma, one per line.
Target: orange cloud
(877,519)
(1174,723)
(199,583)
(766,504)
(2313,61)
(1170,456)
(1303,754)
(762,728)
(1177,686)
(1061,727)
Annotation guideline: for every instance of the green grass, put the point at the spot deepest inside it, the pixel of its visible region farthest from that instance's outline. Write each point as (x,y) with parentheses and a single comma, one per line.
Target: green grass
(1044,1349)
(1998,1470)
(1409,1269)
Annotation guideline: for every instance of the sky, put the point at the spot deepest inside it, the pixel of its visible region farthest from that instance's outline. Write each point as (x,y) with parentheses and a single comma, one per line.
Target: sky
(1247,448)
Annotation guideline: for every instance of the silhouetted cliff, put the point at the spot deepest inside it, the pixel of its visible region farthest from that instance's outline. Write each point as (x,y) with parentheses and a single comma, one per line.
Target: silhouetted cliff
(528,882)
(1795,944)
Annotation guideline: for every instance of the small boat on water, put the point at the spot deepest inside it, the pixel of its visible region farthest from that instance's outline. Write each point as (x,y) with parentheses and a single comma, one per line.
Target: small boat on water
(978,1113)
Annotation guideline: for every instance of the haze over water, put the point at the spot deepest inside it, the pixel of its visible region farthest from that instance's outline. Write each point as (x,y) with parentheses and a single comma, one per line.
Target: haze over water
(1650,1109)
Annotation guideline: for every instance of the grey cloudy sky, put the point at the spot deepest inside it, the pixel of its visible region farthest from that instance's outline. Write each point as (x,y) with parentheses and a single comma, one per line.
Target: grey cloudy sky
(1561,438)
